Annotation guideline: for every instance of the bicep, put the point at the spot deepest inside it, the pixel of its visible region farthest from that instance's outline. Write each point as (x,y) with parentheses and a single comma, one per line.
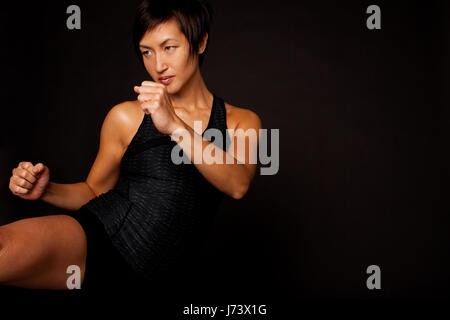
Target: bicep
(105,170)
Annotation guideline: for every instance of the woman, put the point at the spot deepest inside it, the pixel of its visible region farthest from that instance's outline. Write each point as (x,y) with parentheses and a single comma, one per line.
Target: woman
(138,212)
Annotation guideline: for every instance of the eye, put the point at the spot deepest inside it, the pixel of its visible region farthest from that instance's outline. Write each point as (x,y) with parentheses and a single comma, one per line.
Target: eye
(145,53)
(169,47)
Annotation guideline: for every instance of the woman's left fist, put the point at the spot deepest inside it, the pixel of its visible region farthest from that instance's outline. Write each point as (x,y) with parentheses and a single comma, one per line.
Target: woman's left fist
(155,101)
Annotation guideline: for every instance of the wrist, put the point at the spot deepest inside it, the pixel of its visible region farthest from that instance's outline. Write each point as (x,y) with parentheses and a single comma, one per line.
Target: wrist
(178,129)
(45,194)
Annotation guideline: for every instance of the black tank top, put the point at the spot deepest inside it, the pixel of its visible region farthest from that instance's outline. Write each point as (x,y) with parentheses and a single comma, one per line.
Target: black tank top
(159,210)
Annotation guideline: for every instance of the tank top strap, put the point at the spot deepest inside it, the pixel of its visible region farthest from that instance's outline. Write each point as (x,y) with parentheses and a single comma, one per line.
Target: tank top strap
(220,120)
(148,135)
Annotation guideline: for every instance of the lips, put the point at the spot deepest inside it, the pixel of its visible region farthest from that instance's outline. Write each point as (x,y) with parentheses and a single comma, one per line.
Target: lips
(166,80)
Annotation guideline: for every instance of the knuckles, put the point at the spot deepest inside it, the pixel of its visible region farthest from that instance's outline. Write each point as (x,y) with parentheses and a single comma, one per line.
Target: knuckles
(150,99)
(151,83)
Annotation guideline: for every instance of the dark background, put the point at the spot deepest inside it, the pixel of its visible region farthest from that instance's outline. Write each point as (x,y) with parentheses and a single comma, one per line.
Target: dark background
(364,127)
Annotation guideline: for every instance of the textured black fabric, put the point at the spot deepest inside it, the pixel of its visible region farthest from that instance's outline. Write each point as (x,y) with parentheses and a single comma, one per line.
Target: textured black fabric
(106,270)
(159,211)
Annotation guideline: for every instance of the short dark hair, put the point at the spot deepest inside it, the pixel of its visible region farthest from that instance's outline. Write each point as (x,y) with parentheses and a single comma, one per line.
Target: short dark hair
(194,19)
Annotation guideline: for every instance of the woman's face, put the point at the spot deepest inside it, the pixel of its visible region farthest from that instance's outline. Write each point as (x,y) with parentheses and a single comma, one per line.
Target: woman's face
(165,52)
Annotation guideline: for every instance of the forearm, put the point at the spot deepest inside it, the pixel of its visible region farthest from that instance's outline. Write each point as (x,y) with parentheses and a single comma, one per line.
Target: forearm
(227,174)
(67,196)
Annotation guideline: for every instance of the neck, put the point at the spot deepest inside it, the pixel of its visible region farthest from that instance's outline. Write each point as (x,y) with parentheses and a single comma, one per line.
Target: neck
(193,95)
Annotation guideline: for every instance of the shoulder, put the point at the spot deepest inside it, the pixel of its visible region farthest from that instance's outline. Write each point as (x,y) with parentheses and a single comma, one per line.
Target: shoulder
(242,117)
(123,119)
(125,112)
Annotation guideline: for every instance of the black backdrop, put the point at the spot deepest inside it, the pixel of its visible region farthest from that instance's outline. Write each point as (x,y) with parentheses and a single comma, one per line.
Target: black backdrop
(364,127)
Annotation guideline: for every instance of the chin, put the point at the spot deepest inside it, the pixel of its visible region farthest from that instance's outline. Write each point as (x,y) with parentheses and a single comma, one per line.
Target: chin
(171,89)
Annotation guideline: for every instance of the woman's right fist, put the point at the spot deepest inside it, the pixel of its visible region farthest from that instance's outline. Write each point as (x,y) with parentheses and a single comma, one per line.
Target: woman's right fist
(29,182)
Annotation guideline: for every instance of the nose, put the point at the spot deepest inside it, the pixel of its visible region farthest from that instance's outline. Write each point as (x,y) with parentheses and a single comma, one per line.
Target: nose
(160,64)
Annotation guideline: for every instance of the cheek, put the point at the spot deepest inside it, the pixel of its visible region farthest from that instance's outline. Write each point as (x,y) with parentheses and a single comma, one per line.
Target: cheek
(146,64)
(148,67)
(185,65)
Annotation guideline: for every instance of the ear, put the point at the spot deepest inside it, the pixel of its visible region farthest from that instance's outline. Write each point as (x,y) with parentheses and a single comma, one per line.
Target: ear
(202,47)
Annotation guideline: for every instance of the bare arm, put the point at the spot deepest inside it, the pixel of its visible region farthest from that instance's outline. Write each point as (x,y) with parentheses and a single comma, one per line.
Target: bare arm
(67,196)
(104,173)
(235,173)
(105,170)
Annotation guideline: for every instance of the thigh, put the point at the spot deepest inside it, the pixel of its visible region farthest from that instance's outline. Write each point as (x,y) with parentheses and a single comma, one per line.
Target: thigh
(37,251)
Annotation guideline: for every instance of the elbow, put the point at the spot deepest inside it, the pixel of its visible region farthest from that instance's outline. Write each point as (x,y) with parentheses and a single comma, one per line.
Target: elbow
(91,190)
(240,192)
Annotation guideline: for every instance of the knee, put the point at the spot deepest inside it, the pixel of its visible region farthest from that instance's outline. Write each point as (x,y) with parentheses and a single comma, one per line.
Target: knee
(7,239)
(3,241)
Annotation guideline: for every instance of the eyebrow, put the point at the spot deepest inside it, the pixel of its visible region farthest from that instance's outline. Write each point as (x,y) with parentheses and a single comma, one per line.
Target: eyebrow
(161,44)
